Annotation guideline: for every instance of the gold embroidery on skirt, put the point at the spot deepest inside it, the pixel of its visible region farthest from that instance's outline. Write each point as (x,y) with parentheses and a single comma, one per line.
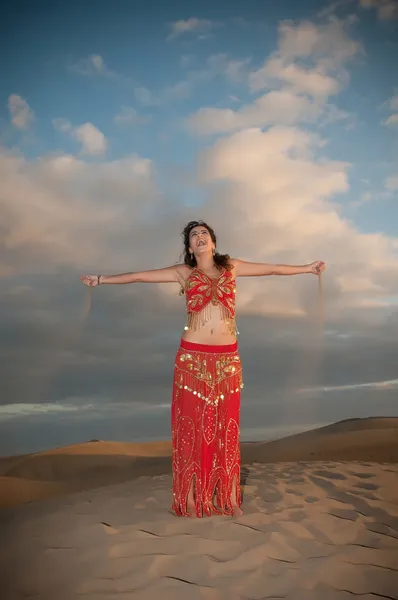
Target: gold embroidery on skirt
(193,376)
(214,380)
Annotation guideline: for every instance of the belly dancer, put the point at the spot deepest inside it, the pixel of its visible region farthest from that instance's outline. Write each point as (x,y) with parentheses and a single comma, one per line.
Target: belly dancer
(205,409)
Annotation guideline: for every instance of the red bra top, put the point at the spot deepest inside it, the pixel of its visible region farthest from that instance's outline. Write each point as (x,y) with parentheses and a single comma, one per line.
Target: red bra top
(201,289)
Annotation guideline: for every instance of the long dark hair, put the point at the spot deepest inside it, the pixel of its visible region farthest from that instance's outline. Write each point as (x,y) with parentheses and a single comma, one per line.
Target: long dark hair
(222,261)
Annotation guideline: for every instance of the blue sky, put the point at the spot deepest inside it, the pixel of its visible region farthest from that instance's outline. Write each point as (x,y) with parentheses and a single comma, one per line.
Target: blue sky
(50,67)
(278,122)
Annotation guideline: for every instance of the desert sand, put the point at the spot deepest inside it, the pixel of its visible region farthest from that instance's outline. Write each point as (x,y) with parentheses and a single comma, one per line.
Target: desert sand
(93,521)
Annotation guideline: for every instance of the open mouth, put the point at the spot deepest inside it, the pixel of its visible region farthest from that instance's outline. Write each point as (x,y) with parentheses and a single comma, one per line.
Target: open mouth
(201,243)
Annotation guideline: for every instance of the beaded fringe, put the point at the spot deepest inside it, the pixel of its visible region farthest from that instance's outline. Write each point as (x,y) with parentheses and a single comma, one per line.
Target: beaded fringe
(189,382)
(197,320)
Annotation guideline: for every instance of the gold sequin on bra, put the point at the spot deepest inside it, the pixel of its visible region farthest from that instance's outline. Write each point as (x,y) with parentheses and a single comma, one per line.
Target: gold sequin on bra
(204,294)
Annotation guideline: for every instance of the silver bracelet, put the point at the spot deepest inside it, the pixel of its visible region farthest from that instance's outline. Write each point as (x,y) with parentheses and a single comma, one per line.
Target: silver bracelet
(99,280)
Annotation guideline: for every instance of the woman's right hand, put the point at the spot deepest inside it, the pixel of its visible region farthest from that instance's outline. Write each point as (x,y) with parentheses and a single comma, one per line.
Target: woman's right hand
(90,280)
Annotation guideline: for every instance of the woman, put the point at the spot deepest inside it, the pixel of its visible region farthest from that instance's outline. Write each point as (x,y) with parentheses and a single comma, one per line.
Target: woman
(205,411)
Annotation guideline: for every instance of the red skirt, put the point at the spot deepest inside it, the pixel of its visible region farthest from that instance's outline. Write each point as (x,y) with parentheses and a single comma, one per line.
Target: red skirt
(205,419)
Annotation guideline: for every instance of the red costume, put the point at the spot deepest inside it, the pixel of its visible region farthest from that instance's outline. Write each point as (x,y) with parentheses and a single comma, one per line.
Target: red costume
(206,404)
(203,291)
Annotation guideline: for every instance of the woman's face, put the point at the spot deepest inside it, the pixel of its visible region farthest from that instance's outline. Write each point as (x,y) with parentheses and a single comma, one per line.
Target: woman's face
(200,241)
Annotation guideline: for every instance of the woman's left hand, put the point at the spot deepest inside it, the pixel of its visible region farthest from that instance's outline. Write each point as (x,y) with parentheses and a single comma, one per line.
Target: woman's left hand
(317,267)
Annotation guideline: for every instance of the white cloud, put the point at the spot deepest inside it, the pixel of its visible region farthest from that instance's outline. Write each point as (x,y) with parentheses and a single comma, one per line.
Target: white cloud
(145,96)
(393,105)
(178,91)
(217,65)
(332,114)
(327,47)
(332,8)
(298,92)
(21,114)
(366,197)
(192,26)
(93,141)
(387,384)
(129,116)
(62,125)
(392,183)
(386,9)
(279,194)
(21,410)
(186,60)
(279,107)
(392,120)
(235,71)
(95,66)
(92,65)
(79,213)
(313,82)
(328,44)
(394,102)
(83,405)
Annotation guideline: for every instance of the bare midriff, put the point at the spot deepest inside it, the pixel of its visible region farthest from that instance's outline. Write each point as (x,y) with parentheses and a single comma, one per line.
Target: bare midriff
(214,332)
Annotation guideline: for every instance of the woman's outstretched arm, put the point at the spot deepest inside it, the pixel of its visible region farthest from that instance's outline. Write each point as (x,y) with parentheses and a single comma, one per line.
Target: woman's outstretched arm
(172,274)
(250,269)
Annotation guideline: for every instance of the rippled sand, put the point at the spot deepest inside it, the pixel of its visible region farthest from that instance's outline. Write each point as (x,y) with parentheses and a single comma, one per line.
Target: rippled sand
(312,529)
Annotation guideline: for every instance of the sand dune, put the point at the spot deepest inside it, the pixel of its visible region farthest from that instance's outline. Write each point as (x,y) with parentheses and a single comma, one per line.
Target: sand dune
(74,468)
(311,531)
(17,490)
(97,463)
(320,522)
(373,439)
(93,448)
